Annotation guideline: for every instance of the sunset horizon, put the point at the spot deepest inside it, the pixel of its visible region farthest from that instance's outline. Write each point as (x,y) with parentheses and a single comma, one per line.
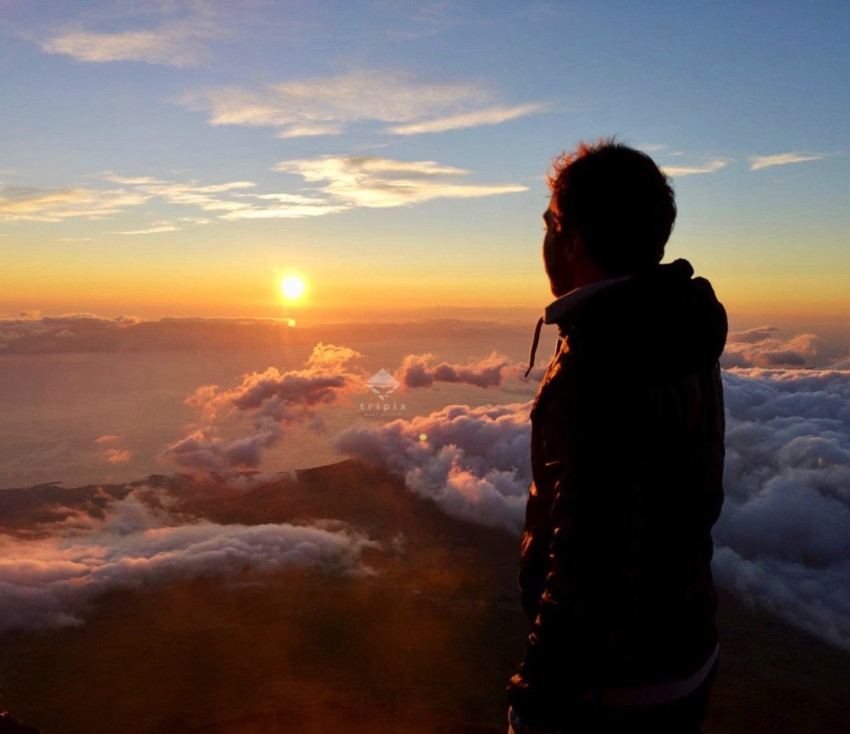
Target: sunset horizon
(269,285)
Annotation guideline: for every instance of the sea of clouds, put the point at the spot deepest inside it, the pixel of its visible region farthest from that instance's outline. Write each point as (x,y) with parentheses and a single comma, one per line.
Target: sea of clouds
(50,581)
(782,541)
(783,538)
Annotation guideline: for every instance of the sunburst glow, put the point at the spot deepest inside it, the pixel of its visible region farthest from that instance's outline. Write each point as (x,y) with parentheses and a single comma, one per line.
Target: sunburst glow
(292,287)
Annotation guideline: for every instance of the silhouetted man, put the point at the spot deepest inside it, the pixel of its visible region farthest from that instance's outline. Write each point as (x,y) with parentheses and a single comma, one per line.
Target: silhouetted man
(627,459)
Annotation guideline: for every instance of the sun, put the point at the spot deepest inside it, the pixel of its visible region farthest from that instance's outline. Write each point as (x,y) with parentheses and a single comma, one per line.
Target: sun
(292,287)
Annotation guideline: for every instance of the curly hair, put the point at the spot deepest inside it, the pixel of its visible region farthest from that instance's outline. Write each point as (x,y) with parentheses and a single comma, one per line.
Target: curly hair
(620,202)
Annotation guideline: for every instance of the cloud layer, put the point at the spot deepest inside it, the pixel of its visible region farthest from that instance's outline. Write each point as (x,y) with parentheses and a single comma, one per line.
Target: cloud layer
(762,347)
(784,535)
(33,332)
(783,540)
(50,582)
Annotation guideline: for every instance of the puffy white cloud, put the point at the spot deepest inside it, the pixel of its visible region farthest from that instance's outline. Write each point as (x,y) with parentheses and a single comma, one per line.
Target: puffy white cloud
(383,182)
(325,105)
(273,399)
(473,462)
(423,370)
(761,347)
(51,581)
(110,452)
(118,456)
(757,162)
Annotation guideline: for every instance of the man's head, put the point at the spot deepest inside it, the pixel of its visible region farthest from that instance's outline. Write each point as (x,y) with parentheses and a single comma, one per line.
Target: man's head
(611,213)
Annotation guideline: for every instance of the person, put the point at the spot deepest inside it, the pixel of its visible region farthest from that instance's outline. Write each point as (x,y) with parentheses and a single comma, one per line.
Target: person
(627,453)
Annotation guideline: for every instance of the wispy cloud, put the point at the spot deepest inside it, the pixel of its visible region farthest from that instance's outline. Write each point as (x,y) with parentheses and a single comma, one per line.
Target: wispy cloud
(488,116)
(652,147)
(422,19)
(349,181)
(384,182)
(757,162)
(19,203)
(283,206)
(710,167)
(157,229)
(310,130)
(177,42)
(228,201)
(205,196)
(325,105)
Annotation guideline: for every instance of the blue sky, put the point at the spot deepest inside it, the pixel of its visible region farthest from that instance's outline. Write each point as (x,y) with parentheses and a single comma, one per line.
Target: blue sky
(178,156)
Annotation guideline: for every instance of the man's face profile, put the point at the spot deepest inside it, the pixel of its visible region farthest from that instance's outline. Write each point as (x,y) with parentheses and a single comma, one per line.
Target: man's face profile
(555,259)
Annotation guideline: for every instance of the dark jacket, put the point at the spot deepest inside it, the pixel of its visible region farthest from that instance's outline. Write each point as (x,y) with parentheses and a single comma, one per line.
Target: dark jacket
(627,460)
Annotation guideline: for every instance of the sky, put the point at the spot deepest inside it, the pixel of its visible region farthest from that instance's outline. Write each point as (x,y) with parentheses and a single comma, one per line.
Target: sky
(180,158)
(177,158)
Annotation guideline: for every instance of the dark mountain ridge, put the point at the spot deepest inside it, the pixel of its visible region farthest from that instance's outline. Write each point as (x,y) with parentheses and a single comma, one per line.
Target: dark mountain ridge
(424,643)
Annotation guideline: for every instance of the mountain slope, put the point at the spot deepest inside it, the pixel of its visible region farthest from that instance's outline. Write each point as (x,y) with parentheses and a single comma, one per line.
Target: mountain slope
(425,643)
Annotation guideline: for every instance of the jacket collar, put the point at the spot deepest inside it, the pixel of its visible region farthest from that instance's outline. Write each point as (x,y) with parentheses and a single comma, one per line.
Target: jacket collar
(564,308)
(557,311)
(566,305)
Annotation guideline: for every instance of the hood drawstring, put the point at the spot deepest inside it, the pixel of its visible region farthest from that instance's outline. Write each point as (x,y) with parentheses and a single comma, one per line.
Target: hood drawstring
(534,343)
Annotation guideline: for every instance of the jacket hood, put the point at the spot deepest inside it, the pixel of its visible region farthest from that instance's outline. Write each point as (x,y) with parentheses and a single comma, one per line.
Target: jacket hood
(663,316)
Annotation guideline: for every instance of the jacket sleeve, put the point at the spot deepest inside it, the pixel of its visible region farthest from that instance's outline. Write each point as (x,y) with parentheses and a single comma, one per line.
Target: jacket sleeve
(592,452)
